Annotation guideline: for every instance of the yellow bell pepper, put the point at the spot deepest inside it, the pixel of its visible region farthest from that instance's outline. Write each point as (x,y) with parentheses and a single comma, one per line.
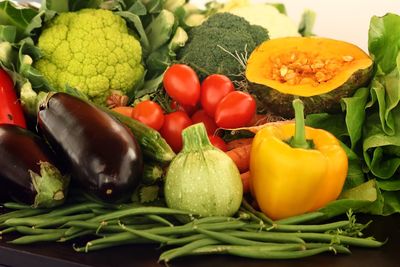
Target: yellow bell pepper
(290,177)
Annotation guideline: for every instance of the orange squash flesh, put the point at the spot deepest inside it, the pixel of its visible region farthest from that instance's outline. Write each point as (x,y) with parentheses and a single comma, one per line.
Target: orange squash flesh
(262,63)
(319,71)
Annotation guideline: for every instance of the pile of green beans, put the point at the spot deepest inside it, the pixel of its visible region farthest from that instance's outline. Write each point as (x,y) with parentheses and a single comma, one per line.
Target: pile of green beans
(249,234)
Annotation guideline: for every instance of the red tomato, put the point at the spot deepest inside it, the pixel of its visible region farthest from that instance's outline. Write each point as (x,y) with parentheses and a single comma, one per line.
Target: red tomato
(174,124)
(218,142)
(235,110)
(10,108)
(150,113)
(213,89)
(186,108)
(209,123)
(127,111)
(182,84)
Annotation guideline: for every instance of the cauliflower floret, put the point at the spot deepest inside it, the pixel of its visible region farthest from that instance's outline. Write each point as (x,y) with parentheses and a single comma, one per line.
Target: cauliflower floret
(92,51)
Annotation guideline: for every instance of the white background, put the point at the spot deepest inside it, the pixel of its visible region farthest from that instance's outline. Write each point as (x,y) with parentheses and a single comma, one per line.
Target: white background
(346,20)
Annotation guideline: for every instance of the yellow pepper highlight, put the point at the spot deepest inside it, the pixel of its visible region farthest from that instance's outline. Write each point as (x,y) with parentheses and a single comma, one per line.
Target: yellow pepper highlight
(289,181)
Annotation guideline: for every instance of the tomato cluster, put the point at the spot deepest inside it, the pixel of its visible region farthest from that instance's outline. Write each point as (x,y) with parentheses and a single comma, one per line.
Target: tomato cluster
(214,102)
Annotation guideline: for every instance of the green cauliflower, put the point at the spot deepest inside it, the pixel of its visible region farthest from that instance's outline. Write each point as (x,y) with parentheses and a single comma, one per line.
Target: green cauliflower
(92,51)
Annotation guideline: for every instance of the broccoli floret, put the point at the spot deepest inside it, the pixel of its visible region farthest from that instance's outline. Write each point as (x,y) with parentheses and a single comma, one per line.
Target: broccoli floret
(210,44)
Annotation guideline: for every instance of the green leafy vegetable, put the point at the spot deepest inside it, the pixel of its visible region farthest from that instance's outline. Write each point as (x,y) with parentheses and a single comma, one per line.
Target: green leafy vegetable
(371,125)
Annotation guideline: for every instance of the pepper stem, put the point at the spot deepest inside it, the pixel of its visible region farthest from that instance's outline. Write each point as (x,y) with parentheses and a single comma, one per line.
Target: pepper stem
(299,139)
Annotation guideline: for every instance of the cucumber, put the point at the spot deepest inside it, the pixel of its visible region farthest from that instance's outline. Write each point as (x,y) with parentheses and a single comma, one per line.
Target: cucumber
(153,145)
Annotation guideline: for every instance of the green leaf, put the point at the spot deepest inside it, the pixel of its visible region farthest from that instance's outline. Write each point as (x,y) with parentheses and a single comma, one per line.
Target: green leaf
(158,61)
(281,7)
(384,40)
(307,23)
(55,5)
(138,26)
(26,54)
(154,6)
(148,193)
(365,198)
(389,185)
(381,164)
(75,5)
(355,114)
(138,8)
(392,202)
(333,123)
(8,33)
(22,18)
(150,86)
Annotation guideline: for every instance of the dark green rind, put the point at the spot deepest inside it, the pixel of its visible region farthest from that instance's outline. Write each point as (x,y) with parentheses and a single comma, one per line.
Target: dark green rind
(271,100)
(151,142)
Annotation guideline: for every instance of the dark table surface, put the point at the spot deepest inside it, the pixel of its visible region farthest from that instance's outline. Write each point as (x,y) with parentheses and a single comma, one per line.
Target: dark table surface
(62,255)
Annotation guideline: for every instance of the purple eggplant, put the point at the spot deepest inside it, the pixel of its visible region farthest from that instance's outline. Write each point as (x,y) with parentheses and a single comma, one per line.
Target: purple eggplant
(102,154)
(27,169)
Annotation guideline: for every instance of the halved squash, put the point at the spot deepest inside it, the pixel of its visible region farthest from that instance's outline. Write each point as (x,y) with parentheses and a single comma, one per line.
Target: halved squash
(320,71)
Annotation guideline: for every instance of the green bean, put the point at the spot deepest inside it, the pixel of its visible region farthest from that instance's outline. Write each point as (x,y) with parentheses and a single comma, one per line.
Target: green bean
(229,239)
(177,252)
(306,227)
(7,231)
(137,211)
(16,206)
(265,252)
(252,216)
(186,239)
(29,239)
(73,209)
(77,226)
(36,231)
(29,221)
(146,235)
(62,220)
(114,239)
(213,219)
(76,235)
(20,214)
(268,236)
(303,218)
(94,247)
(347,240)
(159,219)
(260,215)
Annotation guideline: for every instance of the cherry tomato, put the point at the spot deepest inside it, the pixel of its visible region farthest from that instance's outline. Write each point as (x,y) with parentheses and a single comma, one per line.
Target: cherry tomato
(235,110)
(175,106)
(127,111)
(174,124)
(150,113)
(209,123)
(218,142)
(182,84)
(10,108)
(213,89)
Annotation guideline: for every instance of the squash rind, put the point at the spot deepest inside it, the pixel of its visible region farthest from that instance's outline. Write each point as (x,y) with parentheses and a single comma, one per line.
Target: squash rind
(276,97)
(280,104)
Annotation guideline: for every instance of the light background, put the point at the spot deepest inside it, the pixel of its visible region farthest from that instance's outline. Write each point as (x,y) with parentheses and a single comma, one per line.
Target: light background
(346,20)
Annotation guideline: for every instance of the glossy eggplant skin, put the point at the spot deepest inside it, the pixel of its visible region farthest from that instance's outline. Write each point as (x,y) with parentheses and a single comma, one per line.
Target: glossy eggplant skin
(23,153)
(103,155)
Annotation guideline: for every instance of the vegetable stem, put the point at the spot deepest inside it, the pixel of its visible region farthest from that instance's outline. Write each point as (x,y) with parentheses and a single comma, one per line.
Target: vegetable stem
(299,139)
